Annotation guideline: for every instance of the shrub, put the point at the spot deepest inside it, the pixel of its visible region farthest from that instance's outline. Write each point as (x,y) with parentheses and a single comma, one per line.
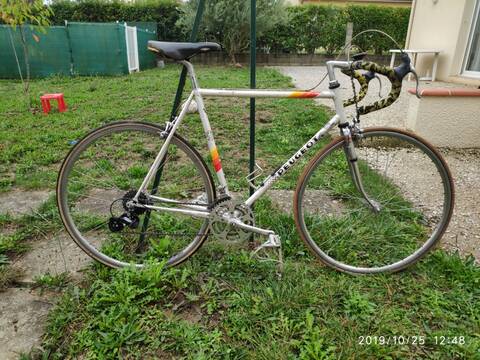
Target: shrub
(394,21)
(164,12)
(305,28)
(313,27)
(228,21)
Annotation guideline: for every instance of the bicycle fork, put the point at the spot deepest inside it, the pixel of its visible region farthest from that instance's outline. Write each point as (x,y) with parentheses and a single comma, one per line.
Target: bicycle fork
(352,160)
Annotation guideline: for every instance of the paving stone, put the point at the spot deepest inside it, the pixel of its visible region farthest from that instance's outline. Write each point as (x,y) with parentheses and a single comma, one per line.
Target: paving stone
(316,202)
(23,314)
(53,255)
(19,202)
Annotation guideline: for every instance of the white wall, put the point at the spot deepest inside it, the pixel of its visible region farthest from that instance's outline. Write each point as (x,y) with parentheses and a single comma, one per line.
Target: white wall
(442,25)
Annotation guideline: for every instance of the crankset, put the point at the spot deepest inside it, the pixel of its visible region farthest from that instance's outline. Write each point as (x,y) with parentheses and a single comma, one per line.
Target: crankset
(226,232)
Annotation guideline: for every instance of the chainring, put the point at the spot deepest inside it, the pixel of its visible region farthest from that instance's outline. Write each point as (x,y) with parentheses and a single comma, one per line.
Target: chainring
(225,232)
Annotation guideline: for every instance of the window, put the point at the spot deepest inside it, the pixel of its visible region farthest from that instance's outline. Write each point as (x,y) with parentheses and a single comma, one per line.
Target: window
(472,59)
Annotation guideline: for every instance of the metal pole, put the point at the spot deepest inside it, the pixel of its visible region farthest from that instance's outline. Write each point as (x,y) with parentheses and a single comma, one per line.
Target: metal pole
(253,82)
(176,104)
(348,38)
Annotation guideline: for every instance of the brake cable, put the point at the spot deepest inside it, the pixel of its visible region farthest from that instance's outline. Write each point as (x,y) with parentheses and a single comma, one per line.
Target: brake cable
(349,43)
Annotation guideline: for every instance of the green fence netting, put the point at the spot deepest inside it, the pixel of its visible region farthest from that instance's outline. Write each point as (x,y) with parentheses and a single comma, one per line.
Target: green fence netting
(48,52)
(98,48)
(146,58)
(74,49)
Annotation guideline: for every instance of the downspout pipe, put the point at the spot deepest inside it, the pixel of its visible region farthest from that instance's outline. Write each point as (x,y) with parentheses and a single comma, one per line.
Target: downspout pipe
(410,24)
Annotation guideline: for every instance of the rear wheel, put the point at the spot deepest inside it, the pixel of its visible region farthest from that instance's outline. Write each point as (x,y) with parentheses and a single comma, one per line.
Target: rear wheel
(403,174)
(100,176)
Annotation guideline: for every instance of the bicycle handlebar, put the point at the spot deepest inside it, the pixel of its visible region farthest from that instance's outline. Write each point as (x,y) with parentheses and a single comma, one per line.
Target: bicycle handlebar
(394,75)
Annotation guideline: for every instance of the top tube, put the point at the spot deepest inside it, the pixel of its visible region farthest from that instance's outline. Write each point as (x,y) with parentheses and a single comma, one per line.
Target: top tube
(247,93)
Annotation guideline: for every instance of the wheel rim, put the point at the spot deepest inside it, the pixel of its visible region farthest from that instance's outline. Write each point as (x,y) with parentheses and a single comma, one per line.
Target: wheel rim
(98,176)
(346,233)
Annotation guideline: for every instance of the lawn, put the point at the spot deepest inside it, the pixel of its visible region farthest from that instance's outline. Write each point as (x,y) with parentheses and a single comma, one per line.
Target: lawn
(222,303)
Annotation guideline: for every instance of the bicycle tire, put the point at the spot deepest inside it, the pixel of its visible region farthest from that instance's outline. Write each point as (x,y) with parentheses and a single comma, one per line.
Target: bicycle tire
(418,145)
(118,128)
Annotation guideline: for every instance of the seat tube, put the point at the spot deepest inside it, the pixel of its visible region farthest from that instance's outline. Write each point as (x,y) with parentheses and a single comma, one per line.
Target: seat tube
(217,164)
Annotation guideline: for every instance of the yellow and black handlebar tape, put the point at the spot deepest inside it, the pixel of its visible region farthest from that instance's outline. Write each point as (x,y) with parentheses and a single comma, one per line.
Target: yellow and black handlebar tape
(390,74)
(362,80)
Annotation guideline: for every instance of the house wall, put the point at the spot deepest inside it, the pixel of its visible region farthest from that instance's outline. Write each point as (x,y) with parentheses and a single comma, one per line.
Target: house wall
(402,3)
(443,25)
(446,121)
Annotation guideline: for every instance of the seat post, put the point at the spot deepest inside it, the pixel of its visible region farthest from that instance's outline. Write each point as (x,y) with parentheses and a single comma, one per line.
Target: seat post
(191,73)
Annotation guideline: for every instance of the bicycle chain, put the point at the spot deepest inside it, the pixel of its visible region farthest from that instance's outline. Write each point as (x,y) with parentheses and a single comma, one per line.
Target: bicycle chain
(143,210)
(210,206)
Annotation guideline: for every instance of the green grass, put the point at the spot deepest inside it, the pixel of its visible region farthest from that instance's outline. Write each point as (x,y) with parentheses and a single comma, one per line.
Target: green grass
(222,303)
(30,158)
(52,282)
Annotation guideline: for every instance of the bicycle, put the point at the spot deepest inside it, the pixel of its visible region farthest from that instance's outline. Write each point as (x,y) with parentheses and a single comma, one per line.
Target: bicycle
(135,193)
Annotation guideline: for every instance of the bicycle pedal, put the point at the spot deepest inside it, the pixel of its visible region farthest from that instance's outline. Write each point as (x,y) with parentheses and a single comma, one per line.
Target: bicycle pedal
(272,244)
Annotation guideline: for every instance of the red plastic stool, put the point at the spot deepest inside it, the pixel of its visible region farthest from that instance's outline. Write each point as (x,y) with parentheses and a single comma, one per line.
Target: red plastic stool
(46,102)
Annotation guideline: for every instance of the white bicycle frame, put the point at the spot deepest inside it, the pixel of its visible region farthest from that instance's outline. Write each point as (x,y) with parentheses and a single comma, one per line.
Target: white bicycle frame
(201,211)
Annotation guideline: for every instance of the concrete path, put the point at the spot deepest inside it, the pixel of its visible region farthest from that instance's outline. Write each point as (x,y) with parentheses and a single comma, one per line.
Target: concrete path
(23,313)
(19,202)
(463,233)
(24,310)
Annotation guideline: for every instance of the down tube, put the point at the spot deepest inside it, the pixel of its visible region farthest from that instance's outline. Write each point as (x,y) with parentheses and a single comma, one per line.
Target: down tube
(268,182)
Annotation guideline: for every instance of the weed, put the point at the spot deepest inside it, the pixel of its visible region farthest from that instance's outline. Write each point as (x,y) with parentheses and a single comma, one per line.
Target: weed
(52,282)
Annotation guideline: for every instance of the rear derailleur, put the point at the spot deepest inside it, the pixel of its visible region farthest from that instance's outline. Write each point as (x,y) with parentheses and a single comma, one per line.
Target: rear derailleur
(131,211)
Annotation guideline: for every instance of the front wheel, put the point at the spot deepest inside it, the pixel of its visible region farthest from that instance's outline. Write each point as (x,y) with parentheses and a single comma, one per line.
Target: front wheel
(406,180)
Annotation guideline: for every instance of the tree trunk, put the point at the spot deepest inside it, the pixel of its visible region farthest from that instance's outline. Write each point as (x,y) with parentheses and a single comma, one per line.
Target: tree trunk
(232,57)
(231,49)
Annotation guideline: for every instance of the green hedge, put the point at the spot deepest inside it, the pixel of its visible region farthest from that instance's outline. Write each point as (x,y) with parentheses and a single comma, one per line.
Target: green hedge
(321,26)
(164,12)
(310,27)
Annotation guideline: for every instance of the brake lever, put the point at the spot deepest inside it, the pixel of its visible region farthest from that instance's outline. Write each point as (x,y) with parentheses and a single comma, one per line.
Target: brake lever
(380,85)
(417,83)
(370,75)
